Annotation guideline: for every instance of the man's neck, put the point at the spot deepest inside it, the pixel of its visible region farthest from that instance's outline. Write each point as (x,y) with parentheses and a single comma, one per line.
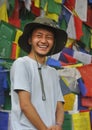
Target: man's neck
(39,59)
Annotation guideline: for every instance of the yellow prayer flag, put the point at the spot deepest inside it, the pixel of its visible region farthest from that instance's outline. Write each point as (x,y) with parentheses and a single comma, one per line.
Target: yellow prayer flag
(3,12)
(81,121)
(52,16)
(45,8)
(58,1)
(69,42)
(65,81)
(37,3)
(18,34)
(69,101)
(74,65)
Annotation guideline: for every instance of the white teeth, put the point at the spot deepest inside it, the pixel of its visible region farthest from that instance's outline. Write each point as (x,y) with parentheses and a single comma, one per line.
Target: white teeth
(43,46)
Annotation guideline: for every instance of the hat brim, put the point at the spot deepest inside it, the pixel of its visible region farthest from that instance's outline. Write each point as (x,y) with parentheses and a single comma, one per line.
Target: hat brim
(60,38)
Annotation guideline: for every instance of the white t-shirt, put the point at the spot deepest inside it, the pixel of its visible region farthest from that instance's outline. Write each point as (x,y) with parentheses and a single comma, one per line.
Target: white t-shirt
(24,76)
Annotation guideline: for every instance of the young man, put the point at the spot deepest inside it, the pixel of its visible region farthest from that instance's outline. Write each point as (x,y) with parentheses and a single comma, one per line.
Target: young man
(37,100)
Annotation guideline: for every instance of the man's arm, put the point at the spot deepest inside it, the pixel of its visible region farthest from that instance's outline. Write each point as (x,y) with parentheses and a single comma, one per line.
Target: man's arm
(59,117)
(59,114)
(30,111)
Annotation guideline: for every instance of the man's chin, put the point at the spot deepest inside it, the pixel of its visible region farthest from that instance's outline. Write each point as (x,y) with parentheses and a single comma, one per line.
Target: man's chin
(42,54)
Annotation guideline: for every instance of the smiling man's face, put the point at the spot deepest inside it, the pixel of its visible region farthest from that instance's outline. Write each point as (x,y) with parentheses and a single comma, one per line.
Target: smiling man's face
(42,41)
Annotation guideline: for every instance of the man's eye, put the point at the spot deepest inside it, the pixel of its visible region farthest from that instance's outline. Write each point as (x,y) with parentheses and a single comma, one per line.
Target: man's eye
(49,37)
(38,35)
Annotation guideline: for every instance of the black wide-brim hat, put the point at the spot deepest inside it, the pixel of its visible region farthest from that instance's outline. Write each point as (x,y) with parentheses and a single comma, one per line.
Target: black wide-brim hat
(44,22)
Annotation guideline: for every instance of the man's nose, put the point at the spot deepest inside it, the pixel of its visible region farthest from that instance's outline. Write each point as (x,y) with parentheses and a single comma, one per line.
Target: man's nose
(43,39)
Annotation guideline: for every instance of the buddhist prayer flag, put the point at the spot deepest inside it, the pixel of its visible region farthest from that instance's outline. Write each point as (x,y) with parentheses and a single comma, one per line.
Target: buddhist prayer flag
(4,120)
(69,101)
(3,12)
(78,27)
(86,74)
(81,121)
(14,19)
(77,7)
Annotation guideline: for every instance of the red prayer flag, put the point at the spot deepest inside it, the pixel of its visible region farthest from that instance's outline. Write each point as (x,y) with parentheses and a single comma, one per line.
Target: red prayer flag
(35,10)
(70,4)
(86,101)
(70,59)
(86,74)
(14,19)
(13,53)
(89,16)
(78,27)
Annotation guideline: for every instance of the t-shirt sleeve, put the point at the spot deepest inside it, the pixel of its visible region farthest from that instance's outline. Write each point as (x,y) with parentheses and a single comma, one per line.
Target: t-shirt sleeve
(19,76)
(59,91)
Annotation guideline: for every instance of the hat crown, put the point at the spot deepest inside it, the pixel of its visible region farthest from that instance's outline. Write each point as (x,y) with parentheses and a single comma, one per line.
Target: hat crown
(46,21)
